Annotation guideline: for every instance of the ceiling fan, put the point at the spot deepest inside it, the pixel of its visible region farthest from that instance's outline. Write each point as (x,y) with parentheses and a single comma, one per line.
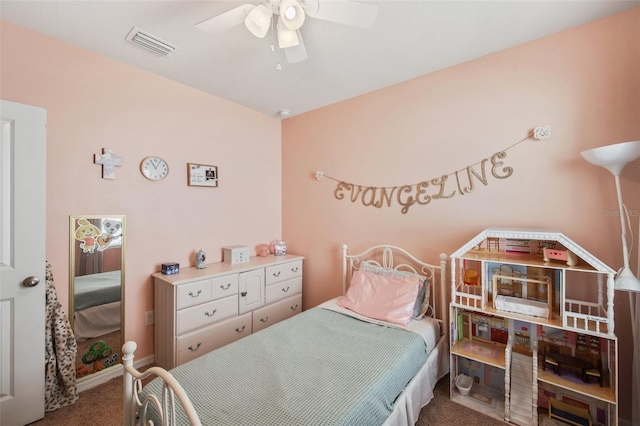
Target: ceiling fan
(288,17)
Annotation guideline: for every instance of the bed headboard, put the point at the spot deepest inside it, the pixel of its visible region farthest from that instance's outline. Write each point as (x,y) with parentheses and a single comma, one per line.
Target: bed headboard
(383,255)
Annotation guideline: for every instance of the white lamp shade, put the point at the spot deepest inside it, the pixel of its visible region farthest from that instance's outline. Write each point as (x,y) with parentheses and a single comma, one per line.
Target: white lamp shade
(613,157)
(259,20)
(292,14)
(626,281)
(286,37)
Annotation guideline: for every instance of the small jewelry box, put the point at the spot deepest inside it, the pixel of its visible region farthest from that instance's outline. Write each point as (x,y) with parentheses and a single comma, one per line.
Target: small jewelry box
(236,254)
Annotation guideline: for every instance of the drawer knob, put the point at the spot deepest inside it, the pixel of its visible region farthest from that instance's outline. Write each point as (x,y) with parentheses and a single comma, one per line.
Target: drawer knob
(264,319)
(276,274)
(243,294)
(211,314)
(195,295)
(222,286)
(294,269)
(197,347)
(286,289)
(240,330)
(294,308)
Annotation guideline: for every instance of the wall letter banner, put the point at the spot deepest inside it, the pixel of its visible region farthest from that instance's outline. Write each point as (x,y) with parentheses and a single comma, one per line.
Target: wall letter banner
(460,182)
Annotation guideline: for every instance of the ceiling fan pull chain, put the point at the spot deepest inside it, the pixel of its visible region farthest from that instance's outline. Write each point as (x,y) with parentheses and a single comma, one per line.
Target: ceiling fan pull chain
(273,24)
(273,49)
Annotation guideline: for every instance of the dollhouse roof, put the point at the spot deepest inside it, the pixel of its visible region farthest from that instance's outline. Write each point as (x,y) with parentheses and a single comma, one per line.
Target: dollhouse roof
(536,234)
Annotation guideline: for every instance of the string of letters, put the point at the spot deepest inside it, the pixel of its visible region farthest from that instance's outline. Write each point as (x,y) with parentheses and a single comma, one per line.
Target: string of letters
(460,182)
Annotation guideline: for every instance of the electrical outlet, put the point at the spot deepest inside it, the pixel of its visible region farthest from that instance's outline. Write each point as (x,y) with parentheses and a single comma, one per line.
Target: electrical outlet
(148,317)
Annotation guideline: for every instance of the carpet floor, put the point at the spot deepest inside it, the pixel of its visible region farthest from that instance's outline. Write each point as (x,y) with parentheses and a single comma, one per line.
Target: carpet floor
(102,406)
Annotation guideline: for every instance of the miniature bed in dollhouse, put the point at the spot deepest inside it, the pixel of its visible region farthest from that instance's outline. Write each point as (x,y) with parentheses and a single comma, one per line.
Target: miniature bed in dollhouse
(511,292)
(569,413)
(536,319)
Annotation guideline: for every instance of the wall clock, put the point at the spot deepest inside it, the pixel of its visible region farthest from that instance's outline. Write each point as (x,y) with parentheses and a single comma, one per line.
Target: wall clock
(154,168)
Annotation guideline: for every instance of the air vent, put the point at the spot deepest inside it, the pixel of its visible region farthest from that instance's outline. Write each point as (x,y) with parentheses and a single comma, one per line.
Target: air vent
(150,42)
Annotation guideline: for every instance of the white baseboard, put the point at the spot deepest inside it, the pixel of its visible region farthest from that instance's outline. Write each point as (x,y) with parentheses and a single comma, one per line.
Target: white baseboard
(93,380)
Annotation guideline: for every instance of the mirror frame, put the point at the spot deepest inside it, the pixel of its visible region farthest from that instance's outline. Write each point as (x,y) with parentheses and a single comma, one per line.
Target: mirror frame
(73,220)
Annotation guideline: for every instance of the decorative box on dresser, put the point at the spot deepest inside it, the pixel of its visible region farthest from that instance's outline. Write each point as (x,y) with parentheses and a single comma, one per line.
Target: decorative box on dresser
(532,323)
(199,310)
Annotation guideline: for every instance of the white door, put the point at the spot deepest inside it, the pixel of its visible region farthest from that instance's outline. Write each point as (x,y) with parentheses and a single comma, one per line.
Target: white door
(22,262)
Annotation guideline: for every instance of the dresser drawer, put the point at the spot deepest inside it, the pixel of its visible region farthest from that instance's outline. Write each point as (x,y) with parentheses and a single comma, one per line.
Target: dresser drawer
(200,310)
(193,293)
(192,345)
(206,314)
(276,312)
(283,272)
(224,286)
(283,289)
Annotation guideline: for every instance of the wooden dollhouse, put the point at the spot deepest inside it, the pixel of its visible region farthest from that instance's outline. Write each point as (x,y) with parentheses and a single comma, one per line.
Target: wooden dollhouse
(532,322)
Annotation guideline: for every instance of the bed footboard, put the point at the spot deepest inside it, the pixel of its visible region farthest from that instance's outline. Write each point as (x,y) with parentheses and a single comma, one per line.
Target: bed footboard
(171,389)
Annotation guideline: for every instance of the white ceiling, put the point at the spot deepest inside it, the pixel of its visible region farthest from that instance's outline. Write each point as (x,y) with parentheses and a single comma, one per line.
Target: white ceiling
(408,39)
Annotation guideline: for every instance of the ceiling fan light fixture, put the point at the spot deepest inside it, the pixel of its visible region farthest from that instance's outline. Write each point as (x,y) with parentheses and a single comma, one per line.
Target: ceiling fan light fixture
(259,20)
(292,14)
(286,37)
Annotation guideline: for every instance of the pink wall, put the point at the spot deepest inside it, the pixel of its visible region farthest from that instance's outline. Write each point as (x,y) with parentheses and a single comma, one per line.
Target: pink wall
(584,83)
(92,103)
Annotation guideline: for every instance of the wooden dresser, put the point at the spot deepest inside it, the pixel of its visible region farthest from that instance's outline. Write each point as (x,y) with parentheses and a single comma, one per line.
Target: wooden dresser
(199,310)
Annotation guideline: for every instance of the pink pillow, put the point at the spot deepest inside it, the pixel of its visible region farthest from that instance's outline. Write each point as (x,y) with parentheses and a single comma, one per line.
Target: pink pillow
(388,299)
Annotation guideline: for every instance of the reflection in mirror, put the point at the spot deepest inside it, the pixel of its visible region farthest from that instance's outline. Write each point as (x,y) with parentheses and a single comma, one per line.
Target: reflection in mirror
(96,276)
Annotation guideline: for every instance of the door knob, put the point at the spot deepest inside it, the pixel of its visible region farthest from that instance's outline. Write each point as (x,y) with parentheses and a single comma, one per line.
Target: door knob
(31,281)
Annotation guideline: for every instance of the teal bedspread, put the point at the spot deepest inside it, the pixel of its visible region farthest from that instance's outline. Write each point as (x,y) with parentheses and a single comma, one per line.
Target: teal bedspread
(318,368)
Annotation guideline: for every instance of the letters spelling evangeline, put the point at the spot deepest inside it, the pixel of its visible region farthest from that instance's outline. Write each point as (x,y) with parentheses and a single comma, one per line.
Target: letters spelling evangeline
(408,195)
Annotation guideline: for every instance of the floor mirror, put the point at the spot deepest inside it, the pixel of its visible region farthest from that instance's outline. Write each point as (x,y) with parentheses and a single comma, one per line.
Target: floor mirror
(96,290)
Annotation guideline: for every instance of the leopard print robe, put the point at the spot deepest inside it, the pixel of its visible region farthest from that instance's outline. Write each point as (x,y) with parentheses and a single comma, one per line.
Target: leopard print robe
(60,356)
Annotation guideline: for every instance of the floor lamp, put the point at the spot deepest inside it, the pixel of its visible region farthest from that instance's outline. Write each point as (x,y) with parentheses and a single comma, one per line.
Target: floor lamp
(614,158)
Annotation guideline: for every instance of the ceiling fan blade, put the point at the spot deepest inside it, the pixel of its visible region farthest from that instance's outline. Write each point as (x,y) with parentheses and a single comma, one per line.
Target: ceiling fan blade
(361,15)
(226,20)
(296,53)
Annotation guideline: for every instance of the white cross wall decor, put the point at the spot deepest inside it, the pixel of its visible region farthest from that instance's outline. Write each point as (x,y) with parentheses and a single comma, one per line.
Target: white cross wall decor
(109,161)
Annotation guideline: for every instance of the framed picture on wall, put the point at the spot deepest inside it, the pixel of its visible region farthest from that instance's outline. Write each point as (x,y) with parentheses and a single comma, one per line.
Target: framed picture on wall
(202,175)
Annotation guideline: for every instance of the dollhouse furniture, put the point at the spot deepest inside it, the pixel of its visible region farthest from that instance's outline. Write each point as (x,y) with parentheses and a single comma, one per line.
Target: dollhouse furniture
(595,372)
(493,244)
(471,277)
(569,413)
(549,359)
(522,304)
(559,324)
(327,365)
(570,361)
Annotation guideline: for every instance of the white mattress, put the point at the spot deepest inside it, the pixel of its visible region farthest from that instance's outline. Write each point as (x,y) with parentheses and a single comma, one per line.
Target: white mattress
(517,305)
